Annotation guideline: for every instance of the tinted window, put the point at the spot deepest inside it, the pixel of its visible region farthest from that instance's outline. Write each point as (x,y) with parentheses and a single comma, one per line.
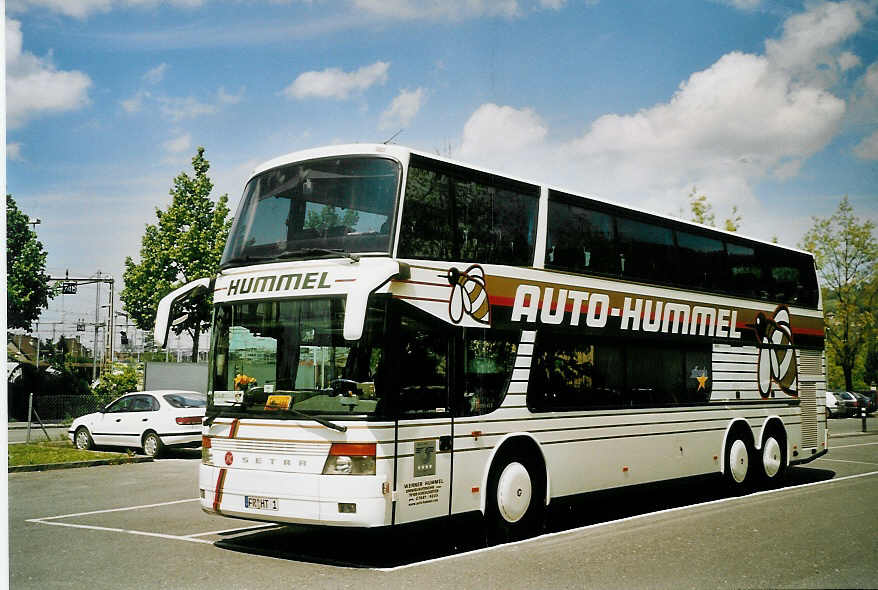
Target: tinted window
(572,372)
(580,239)
(423,366)
(701,261)
(455,214)
(122,405)
(646,251)
(744,271)
(488,359)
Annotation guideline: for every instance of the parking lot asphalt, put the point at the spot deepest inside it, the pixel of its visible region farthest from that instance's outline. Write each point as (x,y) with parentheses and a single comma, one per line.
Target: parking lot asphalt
(140,526)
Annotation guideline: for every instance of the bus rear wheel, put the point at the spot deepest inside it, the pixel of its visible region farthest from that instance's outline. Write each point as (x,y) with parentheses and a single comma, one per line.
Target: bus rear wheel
(773,458)
(739,466)
(516,498)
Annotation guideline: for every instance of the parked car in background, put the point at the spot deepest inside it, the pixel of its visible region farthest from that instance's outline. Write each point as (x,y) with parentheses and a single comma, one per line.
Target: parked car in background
(833,408)
(863,401)
(849,402)
(150,420)
(872,397)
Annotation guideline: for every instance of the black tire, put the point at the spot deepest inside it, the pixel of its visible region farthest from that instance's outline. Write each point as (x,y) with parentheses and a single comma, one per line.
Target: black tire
(82,439)
(828,413)
(152,445)
(516,501)
(739,461)
(773,458)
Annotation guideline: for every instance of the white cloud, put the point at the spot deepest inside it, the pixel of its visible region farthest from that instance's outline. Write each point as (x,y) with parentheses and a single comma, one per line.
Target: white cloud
(501,130)
(871,79)
(403,109)
(335,83)
(135,103)
(745,119)
(34,86)
(452,10)
(156,74)
(178,144)
(84,8)
(868,148)
(848,60)
(178,109)
(13,152)
(224,97)
(745,4)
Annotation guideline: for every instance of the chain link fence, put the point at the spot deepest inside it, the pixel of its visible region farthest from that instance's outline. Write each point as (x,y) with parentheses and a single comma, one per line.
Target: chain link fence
(61,407)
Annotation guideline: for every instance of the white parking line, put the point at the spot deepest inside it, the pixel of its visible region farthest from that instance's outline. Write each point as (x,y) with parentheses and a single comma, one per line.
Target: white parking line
(48,520)
(238,530)
(847,461)
(857,445)
(621,520)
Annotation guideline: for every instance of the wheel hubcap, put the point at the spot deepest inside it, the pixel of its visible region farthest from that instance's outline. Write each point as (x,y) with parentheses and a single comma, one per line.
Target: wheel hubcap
(150,446)
(514,492)
(771,457)
(81,439)
(739,461)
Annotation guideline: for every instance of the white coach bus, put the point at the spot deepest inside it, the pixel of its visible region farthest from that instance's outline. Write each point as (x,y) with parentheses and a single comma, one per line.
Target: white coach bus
(398,337)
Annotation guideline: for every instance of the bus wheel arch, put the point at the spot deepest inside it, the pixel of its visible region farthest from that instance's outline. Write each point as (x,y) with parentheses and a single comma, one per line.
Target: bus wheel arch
(515,490)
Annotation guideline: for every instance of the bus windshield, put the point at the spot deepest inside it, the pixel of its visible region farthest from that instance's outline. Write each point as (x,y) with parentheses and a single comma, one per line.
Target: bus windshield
(272,357)
(343,204)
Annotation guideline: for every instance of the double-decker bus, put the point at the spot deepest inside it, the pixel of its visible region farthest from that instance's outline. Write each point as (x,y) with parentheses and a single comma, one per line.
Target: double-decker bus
(399,337)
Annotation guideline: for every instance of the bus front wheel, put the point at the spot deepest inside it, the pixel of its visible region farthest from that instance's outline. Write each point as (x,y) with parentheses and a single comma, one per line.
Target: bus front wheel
(516,500)
(739,464)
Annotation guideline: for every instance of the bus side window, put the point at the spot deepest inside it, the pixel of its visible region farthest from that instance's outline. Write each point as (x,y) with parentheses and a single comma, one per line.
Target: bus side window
(423,367)
(646,250)
(580,239)
(488,359)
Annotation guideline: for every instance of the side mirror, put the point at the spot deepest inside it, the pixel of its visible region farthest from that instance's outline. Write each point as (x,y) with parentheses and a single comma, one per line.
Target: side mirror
(163,321)
(380,272)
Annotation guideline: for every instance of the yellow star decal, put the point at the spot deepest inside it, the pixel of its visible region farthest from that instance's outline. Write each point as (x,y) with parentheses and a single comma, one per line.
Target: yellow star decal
(702,382)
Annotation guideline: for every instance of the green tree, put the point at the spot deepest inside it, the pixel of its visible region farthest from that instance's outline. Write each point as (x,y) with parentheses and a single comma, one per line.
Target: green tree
(846,254)
(870,369)
(27,284)
(701,211)
(185,244)
(114,384)
(328,218)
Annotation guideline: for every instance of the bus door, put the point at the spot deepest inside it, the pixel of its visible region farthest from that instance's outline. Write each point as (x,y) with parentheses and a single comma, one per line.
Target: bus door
(425,430)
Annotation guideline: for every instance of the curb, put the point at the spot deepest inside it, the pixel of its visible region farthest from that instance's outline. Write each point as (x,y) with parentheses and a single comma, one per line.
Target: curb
(23,426)
(850,434)
(75,464)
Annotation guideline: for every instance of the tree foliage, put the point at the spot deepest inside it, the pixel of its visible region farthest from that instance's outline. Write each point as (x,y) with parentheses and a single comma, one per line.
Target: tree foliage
(701,211)
(27,284)
(185,244)
(114,384)
(846,254)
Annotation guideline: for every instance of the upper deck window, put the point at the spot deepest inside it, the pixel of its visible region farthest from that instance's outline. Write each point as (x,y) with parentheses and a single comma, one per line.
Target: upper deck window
(342,204)
(457,214)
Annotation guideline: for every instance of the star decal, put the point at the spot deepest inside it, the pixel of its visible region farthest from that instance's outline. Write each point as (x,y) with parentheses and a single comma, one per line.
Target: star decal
(702,382)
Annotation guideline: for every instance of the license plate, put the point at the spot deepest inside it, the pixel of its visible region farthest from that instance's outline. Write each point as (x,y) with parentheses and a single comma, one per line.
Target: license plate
(260,503)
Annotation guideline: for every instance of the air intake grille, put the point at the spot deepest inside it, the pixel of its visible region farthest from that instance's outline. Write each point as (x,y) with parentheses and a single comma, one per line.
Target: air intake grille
(808,405)
(810,362)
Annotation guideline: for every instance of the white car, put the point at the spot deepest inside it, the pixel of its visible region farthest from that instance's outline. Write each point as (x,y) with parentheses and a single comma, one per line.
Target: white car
(151,420)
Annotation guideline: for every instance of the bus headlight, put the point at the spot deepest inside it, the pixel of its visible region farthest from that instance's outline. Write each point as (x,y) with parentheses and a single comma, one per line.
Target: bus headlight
(350,459)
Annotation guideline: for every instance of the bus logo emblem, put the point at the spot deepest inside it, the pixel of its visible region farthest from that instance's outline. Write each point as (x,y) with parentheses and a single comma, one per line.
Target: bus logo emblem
(468,295)
(777,357)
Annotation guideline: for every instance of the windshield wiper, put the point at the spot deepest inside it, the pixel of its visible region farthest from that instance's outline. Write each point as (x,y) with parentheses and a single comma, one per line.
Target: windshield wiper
(317,419)
(244,259)
(307,251)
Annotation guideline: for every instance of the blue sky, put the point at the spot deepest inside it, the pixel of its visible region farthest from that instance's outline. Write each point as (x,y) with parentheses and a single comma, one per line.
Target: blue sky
(765,105)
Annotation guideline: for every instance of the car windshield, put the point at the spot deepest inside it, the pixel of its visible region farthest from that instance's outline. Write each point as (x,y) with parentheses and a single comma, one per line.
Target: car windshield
(845,395)
(343,204)
(287,357)
(186,399)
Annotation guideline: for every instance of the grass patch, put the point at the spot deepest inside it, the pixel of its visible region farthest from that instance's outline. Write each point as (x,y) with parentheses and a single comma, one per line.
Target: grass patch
(54,452)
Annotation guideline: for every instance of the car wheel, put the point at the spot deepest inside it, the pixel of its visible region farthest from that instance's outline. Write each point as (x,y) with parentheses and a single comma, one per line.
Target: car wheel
(516,497)
(152,445)
(82,439)
(739,464)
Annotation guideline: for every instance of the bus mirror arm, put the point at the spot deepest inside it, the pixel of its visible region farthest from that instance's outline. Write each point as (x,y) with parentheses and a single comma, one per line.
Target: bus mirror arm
(376,273)
(163,321)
